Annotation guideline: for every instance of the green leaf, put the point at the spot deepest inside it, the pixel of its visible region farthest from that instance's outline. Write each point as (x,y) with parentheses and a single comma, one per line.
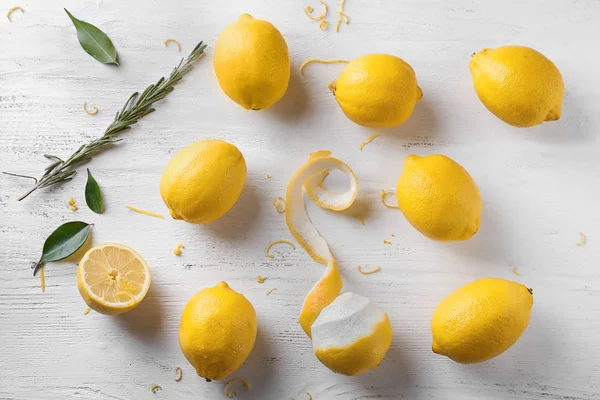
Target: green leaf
(94,41)
(63,242)
(93,197)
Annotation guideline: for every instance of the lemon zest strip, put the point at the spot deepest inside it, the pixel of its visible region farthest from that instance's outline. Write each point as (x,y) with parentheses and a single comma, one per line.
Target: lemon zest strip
(42,279)
(269,176)
(235,394)
(361,218)
(317,60)
(382,195)
(276,242)
(71,201)
(323,25)
(179,372)
(177,249)
(8,14)
(94,109)
(261,279)
(173,41)
(582,241)
(341,15)
(87,311)
(308,10)
(386,241)
(155,388)
(279,205)
(268,292)
(370,271)
(148,213)
(369,140)
(515,271)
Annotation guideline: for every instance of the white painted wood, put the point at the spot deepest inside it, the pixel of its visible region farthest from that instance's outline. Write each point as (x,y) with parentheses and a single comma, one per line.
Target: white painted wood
(540,189)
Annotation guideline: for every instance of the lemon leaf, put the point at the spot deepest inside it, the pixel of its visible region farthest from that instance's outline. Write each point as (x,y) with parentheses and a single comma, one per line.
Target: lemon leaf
(63,242)
(95,42)
(93,196)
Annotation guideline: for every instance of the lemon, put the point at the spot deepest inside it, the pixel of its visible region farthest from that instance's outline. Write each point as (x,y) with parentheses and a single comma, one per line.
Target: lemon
(481,320)
(217,331)
(113,278)
(439,198)
(203,181)
(351,335)
(517,84)
(252,63)
(377,91)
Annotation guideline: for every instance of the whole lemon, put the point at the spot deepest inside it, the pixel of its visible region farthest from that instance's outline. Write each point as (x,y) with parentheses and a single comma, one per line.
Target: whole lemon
(217,332)
(203,181)
(517,84)
(439,198)
(481,320)
(252,63)
(377,91)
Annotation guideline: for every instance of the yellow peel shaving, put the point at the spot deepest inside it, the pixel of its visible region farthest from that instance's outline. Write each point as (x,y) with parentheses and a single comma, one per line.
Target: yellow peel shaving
(369,140)
(8,14)
(515,271)
(42,279)
(316,60)
(382,195)
(386,241)
(370,271)
(74,207)
(582,241)
(361,218)
(323,25)
(234,394)
(269,176)
(301,227)
(268,292)
(177,250)
(173,41)
(155,388)
(341,16)
(87,311)
(94,109)
(179,372)
(71,201)
(308,10)
(276,242)
(261,279)
(148,213)
(279,205)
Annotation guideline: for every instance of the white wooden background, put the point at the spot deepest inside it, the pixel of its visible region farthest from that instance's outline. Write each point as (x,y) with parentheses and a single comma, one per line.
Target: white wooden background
(539,186)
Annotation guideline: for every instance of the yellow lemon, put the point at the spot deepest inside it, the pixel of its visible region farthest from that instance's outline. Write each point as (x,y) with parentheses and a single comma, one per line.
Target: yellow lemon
(203,181)
(113,278)
(252,63)
(517,84)
(217,331)
(377,91)
(481,320)
(351,335)
(439,198)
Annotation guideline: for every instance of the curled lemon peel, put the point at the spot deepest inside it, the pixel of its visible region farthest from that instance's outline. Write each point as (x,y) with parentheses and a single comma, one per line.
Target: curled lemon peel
(308,10)
(261,279)
(87,311)
(279,205)
(341,16)
(9,13)
(234,394)
(369,271)
(177,249)
(515,271)
(382,195)
(42,278)
(301,227)
(166,42)
(277,242)
(369,140)
(144,212)
(320,61)
(155,388)
(179,375)
(71,201)
(268,292)
(323,25)
(386,241)
(94,109)
(582,241)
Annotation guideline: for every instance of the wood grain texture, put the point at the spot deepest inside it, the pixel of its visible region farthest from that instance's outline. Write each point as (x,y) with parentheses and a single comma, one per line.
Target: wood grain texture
(540,189)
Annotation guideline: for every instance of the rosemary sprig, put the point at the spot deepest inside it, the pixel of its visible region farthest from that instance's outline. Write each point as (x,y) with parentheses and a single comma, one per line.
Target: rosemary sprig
(138,106)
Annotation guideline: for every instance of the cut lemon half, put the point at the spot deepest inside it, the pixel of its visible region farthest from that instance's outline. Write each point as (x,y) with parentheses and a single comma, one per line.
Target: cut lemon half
(113,278)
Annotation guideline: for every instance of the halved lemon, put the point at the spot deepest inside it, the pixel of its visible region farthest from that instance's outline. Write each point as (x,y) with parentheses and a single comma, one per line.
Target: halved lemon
(113,278)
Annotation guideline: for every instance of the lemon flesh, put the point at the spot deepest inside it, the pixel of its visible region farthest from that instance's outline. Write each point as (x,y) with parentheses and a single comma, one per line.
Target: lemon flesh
(217,331)
(203,181)
(439,198)
(113,278)
(351,335)
(481,320)
(517,84)
(252,63)
(377,91)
